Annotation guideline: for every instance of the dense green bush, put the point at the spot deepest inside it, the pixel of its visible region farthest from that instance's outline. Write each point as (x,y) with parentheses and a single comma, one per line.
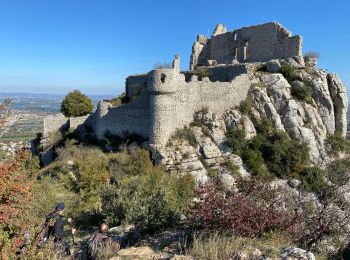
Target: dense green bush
(255,163)
(76,104)
(152,201)
(302,94)
(289,73)
(283,155)
(313,179)
(235,139)
(272,151)
(264,127)
(85,168)
(337,144)
(338,172)
(246,106)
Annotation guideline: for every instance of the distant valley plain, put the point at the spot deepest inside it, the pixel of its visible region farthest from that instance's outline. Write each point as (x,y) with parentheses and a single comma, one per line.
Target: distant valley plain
(27,112)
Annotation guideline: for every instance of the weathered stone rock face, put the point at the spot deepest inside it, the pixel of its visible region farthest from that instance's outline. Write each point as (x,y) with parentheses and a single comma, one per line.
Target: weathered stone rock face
(272,99)
(340,102)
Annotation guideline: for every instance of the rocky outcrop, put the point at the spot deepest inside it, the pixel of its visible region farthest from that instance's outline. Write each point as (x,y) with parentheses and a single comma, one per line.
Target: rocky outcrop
(294,253)
(311,119)
(340,102)
(317,80)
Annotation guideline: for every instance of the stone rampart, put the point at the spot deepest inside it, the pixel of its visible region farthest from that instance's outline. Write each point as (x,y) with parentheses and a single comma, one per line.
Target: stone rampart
(133,117)
(54,123)
(75,122)
(174,103)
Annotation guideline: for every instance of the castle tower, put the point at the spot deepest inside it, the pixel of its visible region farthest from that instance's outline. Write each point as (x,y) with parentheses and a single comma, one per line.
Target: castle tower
(162,86)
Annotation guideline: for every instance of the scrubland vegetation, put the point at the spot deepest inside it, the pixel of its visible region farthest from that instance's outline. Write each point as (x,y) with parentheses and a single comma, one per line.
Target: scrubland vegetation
(121,185)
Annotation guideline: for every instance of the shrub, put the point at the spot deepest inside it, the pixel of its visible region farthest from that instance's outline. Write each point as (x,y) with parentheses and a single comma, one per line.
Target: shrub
(275,150)
(246,106)
(15,197)
(238,213)
(235,139)
(264,127)
(313,179)
(338,172)
(186,134)
(302,94)
(129,163)
(112,205)
(289,73)
(76,104)
(151,201)
(336,144)
(88,170)
(255,162)
(283,155)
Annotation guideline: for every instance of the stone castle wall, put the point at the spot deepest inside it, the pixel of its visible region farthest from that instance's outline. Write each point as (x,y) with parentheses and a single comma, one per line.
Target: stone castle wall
(133,117)
(174,102)
(166,99)
(168,102)
(249,44)
(59,122)
(54,123)
(75,122)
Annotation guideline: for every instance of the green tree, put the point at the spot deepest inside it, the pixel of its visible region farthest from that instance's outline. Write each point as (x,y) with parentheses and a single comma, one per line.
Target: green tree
(76,104)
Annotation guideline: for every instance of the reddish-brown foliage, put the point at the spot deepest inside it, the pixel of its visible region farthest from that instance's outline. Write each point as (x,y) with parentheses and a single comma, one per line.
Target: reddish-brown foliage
(15,195)
(240,213)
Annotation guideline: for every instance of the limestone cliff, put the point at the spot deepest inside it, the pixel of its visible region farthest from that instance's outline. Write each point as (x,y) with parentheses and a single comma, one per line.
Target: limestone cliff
(272,98)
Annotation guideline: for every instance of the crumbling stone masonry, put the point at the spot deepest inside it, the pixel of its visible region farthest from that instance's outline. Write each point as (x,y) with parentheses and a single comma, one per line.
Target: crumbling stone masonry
(249,44)
(166,99)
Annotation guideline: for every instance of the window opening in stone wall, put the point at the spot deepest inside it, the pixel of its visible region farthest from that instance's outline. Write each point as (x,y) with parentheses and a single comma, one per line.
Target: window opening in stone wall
(235,36)
(162,77)
(235,53)
(245,51)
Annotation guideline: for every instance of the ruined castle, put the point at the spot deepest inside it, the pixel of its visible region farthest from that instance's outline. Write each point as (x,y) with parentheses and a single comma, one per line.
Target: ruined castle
(166,99)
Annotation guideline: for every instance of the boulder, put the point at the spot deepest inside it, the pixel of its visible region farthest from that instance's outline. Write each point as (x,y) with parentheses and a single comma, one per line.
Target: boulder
(273,66)
(296,62)
(294,253)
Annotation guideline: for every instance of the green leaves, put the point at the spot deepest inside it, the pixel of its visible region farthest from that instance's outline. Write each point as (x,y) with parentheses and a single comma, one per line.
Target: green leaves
(76,104)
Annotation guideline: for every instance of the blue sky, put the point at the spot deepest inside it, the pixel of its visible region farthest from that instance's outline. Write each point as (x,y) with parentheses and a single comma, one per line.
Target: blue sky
(53,46)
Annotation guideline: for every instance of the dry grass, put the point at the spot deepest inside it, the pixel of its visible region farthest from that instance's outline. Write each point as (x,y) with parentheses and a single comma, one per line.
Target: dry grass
(216,246)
